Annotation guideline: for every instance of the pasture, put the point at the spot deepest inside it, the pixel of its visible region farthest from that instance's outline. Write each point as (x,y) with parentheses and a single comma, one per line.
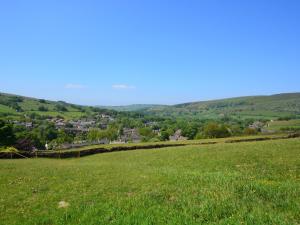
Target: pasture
(239,183)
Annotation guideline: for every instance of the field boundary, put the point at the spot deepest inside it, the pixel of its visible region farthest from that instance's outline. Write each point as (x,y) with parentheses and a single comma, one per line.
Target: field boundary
(59,154)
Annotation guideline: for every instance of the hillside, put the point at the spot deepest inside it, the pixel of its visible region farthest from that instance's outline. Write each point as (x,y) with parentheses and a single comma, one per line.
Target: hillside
(257,107)
(134,107)
(260,107)
(15,106)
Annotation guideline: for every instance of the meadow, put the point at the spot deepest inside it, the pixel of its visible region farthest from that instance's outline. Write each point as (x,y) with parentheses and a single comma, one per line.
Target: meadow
(278,125)
(238,183)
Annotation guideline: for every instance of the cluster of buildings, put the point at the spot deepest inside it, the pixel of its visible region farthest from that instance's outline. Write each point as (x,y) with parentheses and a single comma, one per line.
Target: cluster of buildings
(82,125)
(27,125)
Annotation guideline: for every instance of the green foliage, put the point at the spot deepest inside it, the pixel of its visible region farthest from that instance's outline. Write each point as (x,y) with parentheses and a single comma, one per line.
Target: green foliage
(164,135)
(98,134)
(190,131)
(61,108)
(250,131)
(62,137)
(214,130)
(8,149)
(146,133)
(43,108)
(7,136)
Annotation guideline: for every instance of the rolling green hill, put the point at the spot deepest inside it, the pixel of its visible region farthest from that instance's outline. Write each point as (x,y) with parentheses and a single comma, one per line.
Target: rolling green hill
(269,107)
(257,107)
(134,107)
(15,105)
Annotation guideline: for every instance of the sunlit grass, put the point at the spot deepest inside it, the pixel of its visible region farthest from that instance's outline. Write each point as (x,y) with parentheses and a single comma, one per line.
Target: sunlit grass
(250,183)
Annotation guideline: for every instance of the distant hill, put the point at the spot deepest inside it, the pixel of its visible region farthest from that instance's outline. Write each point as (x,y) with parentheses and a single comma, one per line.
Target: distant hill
(15,105)
(134,107)
(257,107)
(273,106)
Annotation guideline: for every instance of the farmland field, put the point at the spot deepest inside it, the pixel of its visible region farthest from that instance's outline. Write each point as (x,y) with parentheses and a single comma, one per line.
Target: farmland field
(277,125)
(249,183)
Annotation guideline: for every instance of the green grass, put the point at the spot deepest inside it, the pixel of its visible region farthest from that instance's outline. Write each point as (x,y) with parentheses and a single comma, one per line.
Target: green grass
(244,183)
(6,109)
(277,125)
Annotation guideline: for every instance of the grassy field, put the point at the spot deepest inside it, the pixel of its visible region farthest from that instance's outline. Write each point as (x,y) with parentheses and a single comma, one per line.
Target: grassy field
(277,125)
(244,183)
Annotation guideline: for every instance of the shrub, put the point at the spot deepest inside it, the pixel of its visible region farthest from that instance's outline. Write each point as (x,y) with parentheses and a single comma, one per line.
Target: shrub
(43,108)
(214,130)
(7,136)
(42,101)
(250,131)
(61,108)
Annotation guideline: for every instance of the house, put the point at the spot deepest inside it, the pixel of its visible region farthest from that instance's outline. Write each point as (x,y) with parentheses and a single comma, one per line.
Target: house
(103,125)
(130,135)
(28,125)
(81,125)
(257,125)
(150,124)
(157,131)
(108,117)
(177,136)
(60,124)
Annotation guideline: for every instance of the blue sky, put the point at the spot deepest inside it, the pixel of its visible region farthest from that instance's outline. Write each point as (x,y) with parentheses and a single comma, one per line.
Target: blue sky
(152,51)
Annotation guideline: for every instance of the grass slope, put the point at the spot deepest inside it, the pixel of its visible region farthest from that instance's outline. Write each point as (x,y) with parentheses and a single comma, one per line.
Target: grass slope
(32,105)
(249,183)
(260,107)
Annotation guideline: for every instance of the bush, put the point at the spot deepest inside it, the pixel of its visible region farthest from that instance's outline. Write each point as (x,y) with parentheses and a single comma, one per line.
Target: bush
(214,130)
(7,136)
(199,136)
(42,101)
(250,131)
(43,108)
(9,149)
(61,108)
(290,129)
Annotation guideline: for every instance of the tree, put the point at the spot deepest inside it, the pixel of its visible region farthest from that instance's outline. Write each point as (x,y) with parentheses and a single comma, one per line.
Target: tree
(42,108)
(7,136)
(214,130)
(97,134)
(93,135)
(164,135)
(24,144)
(146,132)
(190,131)
(61,108)
(250,131)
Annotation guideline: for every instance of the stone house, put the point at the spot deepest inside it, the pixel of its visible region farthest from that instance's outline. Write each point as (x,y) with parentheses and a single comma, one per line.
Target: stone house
(177,136)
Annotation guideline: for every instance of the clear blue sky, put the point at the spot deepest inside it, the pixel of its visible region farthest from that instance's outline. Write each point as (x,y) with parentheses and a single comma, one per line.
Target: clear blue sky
(148,51)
